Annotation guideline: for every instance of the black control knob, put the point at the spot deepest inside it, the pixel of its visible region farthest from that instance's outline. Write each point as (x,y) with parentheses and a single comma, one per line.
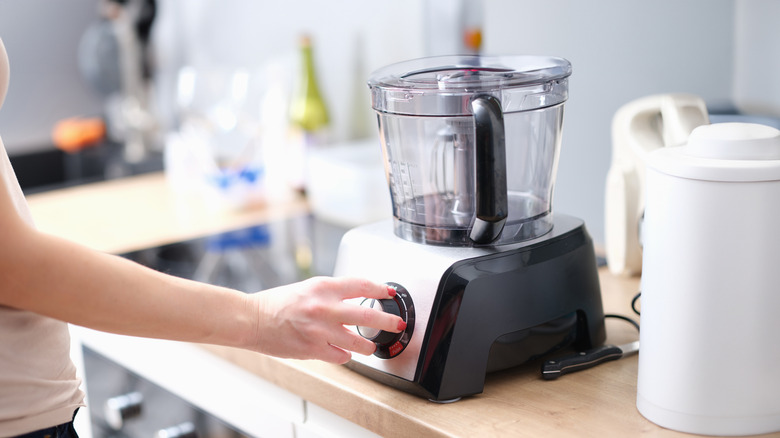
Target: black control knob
(391,344)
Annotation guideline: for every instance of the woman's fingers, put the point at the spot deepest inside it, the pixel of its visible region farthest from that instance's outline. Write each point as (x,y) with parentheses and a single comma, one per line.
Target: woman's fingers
(338,349)
(366,316)
(351,287)
(351,341)
(353,313)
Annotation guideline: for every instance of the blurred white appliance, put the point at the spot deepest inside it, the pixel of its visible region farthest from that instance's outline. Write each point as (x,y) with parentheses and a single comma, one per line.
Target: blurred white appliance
(710,283)
(638,128)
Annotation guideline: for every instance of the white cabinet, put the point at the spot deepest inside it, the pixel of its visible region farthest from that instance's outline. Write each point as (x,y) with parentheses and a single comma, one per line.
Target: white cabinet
(211,384)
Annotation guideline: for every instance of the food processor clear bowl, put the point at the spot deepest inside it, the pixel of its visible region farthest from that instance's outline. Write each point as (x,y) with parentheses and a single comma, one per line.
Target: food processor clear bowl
(429,143)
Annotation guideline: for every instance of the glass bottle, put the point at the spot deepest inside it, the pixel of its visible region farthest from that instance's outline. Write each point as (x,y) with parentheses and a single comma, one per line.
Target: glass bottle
(309,118)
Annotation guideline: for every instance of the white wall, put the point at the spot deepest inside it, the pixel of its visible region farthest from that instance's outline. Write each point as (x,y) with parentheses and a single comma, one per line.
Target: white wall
(757,57)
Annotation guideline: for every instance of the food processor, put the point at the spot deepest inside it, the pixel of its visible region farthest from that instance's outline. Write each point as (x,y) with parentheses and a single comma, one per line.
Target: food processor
(486,277)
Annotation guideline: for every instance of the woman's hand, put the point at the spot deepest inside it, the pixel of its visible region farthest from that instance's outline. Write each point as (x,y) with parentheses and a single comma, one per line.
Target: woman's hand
(306,320)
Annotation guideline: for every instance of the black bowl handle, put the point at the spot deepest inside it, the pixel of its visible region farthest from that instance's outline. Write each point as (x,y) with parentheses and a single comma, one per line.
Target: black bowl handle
(490,155)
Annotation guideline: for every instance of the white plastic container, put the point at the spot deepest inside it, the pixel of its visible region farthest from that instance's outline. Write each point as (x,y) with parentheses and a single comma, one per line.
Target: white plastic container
(346,183)
(710,357)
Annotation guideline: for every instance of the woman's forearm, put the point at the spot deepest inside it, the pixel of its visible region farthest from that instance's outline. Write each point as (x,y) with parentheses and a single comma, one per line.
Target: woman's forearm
(66,281)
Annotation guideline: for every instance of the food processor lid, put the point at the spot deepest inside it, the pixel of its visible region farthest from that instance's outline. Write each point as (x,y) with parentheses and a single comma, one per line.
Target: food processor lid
(444,85)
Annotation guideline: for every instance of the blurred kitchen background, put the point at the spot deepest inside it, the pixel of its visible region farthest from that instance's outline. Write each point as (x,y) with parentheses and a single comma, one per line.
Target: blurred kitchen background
(65,63)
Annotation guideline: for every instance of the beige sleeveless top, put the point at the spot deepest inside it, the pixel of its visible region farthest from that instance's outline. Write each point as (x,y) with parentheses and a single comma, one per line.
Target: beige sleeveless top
(38,383)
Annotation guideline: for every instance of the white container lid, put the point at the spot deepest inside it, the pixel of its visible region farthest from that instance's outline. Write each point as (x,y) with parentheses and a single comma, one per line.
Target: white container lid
(723,152)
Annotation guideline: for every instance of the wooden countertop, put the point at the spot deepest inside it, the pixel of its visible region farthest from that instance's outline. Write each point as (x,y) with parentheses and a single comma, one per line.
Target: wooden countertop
(140,212)
(120,216)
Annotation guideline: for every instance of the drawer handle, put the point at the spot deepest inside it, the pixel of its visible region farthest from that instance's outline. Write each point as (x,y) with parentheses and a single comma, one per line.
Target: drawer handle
(183,430)
(121,408)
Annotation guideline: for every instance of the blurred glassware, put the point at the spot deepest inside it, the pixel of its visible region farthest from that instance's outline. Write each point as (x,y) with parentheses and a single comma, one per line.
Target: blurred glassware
(217,148)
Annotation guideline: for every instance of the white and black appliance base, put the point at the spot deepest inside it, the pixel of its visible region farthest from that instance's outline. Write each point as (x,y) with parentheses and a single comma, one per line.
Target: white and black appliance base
(479,309)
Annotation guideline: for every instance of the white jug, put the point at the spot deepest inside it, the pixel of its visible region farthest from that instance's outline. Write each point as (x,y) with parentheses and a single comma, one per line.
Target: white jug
(710,356)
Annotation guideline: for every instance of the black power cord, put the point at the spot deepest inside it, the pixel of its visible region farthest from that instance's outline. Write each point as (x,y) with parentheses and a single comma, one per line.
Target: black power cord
(625,318)
(633,302)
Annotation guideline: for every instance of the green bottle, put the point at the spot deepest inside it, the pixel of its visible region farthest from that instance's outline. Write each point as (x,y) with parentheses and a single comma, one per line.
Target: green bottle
(309,119)
(307,109)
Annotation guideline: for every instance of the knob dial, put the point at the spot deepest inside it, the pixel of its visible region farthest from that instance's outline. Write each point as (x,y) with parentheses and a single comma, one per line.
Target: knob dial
(391,344)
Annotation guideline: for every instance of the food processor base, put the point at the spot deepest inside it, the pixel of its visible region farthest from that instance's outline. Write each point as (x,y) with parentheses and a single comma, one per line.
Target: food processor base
(479,310)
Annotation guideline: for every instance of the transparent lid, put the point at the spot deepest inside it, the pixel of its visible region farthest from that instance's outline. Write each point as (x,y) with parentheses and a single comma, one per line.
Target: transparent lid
(444,85)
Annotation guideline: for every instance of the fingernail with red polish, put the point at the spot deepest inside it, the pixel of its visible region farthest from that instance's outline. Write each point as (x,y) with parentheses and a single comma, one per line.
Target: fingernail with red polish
(391,291)
(401,325)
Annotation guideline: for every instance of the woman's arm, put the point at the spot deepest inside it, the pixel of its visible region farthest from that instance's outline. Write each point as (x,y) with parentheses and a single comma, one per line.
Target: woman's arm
(69,282)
